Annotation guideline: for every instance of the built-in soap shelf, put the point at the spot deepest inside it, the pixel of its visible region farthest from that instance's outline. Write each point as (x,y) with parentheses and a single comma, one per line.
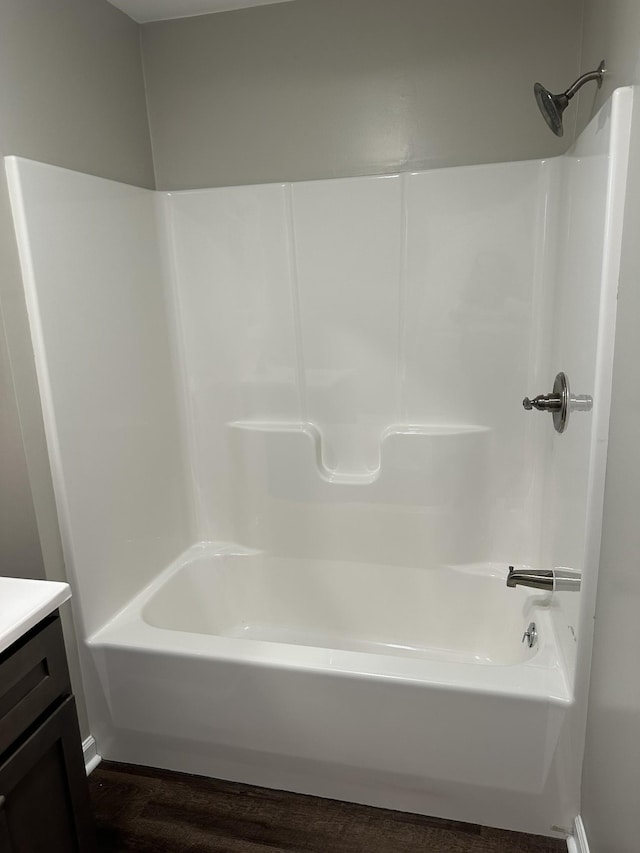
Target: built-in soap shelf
(429,498)
(402,446)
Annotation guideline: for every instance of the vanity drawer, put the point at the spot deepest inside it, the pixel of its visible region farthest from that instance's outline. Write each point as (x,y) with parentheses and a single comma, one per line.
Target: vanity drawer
(33,675)
(44,798)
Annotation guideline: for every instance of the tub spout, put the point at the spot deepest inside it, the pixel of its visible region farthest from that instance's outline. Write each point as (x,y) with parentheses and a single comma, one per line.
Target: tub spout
(552,580)
(534,578)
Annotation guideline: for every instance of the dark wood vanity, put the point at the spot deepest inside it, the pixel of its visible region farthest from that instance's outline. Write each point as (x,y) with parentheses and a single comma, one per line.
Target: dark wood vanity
(44,798)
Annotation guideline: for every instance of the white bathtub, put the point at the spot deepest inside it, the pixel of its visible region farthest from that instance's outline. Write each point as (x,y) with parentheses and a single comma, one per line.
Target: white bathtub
(387,685)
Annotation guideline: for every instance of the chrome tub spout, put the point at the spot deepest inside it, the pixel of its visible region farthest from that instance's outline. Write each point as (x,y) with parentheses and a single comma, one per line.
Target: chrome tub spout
(550,580)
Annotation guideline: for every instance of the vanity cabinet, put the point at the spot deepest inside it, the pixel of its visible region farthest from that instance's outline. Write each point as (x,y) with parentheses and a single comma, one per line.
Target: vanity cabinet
(44,796)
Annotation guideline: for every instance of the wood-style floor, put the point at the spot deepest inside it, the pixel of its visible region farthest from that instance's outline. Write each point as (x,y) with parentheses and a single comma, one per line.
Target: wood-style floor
(154,811)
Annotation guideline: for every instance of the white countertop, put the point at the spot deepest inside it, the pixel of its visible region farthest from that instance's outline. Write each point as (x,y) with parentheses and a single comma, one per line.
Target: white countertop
(23,603)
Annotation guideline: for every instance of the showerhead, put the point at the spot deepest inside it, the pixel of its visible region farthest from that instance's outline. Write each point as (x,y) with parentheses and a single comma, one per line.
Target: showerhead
(553,106)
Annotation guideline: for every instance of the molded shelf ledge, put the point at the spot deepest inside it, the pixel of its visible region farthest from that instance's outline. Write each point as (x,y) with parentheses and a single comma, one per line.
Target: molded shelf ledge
(398,445)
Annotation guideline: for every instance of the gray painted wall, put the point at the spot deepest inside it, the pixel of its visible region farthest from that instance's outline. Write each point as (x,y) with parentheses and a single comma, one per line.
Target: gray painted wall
(72,94)
(327,88)
(611,771)
(20,554)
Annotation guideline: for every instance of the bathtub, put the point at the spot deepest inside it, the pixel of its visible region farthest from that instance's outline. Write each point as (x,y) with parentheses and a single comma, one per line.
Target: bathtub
(391,686)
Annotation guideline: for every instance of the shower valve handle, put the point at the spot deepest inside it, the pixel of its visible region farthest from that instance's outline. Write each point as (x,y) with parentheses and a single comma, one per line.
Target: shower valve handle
(543,403)
(561,402)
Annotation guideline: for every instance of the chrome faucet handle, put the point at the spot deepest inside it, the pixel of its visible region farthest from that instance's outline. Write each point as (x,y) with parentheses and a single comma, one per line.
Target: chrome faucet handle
(543,403)
(561,402)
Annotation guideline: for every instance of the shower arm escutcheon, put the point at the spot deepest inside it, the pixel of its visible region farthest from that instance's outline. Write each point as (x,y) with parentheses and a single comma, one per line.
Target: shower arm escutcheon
(560,402)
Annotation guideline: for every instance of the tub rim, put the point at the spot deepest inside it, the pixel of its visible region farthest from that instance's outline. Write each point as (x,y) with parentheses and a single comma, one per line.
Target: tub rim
(540,678)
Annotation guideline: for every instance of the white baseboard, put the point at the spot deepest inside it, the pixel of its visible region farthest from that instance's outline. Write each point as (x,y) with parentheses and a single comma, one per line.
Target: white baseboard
(578,842)
(91,757)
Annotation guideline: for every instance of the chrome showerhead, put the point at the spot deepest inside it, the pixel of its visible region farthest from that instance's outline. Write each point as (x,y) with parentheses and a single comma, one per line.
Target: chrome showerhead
(553,106)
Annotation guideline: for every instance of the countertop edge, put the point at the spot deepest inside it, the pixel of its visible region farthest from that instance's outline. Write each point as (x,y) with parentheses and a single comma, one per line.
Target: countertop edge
(58,594)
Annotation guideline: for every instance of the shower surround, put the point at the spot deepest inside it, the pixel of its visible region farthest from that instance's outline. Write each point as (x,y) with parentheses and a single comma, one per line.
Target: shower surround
(292,467)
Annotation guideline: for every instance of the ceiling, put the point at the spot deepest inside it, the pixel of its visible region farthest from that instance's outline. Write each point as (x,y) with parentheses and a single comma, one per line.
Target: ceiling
(161,10)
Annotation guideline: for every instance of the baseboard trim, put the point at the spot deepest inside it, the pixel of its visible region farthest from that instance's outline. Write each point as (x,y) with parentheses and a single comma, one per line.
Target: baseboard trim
(578,842)
(90,752)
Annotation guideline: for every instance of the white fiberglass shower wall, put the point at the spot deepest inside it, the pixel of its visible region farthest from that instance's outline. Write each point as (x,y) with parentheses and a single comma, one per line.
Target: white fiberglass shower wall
(331,385)
(292,466)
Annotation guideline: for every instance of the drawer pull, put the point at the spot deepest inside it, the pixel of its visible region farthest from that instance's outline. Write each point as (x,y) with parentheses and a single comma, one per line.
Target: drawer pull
(3,800)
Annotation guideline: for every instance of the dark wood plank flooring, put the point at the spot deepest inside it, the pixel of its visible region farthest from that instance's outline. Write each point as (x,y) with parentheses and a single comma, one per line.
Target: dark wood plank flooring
(155,811)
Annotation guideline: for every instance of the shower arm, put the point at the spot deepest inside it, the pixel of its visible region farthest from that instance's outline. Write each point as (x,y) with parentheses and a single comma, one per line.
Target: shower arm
(585,78)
